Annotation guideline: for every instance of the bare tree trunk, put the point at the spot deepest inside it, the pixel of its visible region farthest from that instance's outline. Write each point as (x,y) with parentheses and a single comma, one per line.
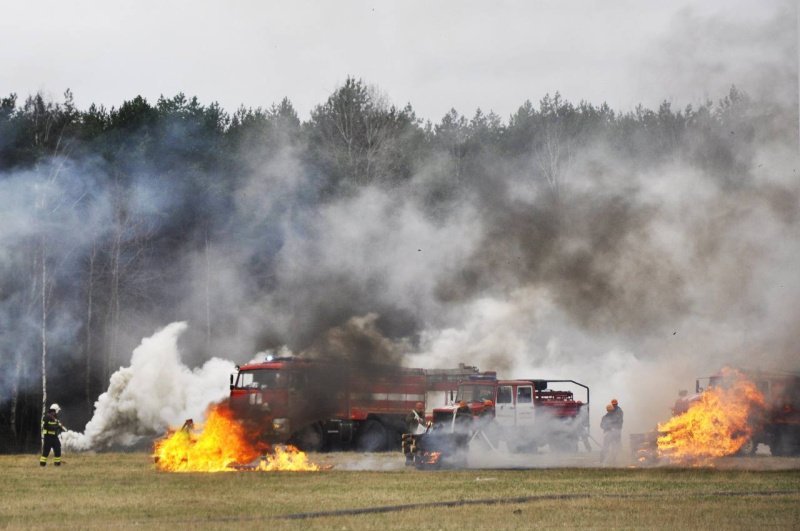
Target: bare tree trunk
(114,309)
(345,124)
(208,294)
(31,307)
(15,392)
(44,322)
(88,341)
(112,324)
(553,156)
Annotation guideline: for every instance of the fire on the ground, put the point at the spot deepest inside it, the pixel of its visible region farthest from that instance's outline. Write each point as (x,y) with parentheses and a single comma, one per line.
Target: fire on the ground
(221,446)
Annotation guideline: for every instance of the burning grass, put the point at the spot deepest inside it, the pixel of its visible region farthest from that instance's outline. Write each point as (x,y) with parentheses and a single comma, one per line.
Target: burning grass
(222,445)
(123,490)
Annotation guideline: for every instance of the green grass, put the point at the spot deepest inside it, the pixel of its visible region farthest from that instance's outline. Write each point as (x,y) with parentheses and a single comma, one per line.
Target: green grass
(124,490)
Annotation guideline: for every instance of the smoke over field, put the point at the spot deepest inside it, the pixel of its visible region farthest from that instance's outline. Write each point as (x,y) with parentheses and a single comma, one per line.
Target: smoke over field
(631,250)
(157,391)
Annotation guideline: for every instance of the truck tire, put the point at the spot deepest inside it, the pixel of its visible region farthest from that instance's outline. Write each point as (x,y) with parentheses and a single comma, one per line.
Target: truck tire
(372,437)
(785,443)
(748,448)
(310,438)
(564,444)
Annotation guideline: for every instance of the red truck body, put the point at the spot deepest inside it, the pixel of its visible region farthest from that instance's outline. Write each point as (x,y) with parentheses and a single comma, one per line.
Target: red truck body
(778,426)
(319,404)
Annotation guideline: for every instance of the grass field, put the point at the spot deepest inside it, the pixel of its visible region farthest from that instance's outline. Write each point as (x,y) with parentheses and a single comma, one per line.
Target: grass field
(124,490)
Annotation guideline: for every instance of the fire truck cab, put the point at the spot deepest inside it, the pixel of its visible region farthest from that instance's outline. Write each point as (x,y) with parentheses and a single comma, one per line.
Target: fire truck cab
(523,414)
(527,413)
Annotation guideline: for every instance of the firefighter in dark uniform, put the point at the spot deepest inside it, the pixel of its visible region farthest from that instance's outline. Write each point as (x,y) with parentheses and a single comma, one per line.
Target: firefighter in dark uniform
(51,429)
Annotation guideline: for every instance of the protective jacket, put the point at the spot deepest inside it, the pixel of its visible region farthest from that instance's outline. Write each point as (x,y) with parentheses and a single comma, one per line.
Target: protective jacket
(415,423)
(51,429)
(51,425)
(615,418)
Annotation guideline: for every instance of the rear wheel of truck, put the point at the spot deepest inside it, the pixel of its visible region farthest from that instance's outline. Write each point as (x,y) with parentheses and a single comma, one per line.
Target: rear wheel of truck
(310,438)
(564,444)
(372,437)
(786,442)
(748,448)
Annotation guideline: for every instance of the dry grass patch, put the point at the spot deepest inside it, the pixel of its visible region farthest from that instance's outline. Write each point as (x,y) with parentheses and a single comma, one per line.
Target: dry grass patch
(124,490)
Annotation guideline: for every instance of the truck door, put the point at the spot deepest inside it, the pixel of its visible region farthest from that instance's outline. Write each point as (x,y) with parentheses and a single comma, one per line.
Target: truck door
(504,407)
(525,412)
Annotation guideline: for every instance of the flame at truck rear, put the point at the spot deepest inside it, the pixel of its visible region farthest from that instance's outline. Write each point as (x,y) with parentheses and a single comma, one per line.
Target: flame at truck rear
(718,423)
(223,445)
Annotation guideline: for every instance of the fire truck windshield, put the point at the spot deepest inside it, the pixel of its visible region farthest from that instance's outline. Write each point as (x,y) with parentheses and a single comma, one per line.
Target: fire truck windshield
(261,379)
(475,393)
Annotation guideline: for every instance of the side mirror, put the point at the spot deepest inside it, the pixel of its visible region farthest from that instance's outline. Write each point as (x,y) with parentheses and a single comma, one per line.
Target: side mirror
(231,387)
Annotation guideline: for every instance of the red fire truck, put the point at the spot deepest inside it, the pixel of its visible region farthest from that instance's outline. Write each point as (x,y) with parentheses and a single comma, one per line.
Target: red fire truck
(523,414)
(318,404)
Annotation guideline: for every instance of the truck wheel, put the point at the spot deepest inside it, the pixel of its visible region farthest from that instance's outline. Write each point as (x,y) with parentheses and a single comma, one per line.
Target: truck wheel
(372,437)
(310,438)
(564,445)
(748,448)
(784,444)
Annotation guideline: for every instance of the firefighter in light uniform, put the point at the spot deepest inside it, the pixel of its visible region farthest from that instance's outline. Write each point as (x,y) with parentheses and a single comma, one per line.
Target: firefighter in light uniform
(51,429)
(415,425)
(463,420)
(415,420)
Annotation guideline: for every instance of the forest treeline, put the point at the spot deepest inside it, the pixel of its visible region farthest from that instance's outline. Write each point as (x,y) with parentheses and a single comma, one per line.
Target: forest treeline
(91,259)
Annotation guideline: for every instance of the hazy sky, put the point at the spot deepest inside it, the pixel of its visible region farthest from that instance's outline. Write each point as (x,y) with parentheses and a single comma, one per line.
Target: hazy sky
(433,54)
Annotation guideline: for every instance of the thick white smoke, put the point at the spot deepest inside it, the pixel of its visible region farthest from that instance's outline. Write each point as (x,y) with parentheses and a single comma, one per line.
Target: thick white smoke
(154,392)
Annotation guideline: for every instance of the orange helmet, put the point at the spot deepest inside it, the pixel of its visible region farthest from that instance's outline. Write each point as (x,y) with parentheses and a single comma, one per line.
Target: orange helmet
(609,408)
(463,403)
(614,402)
(488,403)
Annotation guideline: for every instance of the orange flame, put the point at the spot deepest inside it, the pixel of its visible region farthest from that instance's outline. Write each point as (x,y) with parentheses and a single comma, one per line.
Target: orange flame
(719,423)
(287,458)
(431,458)
(222,446)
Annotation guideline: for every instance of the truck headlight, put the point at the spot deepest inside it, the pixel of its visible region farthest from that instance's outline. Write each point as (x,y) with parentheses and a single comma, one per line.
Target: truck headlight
(280,425)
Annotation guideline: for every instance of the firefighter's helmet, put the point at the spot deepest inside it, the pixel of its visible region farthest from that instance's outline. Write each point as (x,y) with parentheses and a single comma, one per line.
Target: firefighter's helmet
(55,407)
(462,404)
(488,403)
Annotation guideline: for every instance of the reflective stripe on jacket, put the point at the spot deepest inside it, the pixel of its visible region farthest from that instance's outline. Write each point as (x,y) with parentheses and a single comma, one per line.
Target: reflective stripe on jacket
(51,425)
